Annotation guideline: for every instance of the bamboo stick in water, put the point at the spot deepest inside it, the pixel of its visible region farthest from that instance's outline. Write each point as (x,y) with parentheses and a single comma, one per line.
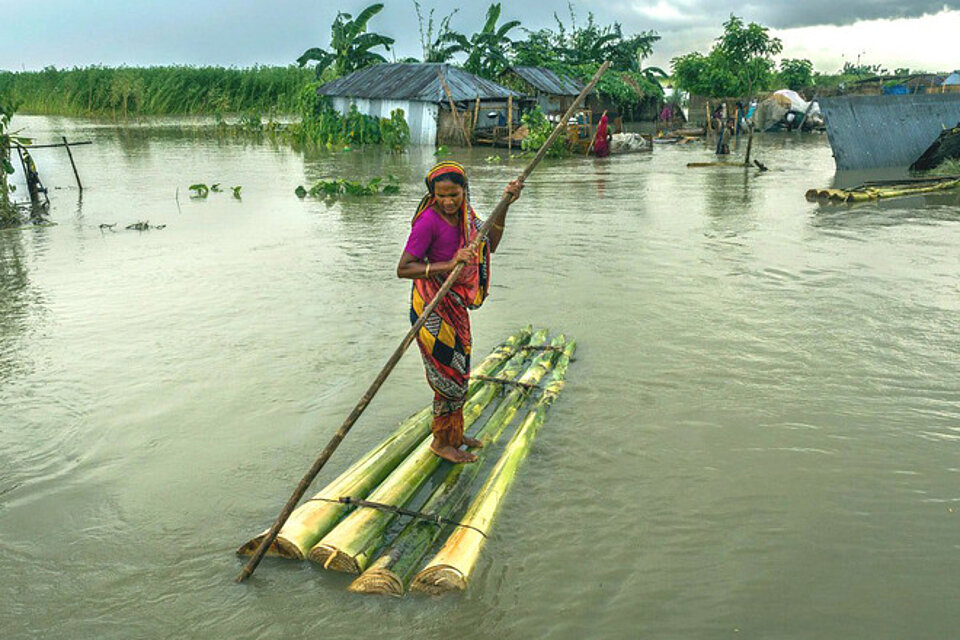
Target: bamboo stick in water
(315,518)
(450,569)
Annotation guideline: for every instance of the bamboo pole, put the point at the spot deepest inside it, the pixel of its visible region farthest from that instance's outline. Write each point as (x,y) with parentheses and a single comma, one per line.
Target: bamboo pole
(509,124)
(72,163)
(746,160)
(453,108)
(315,518)
(709,120)
(321,460)
(347,547)
(450,569)
(56,145)
(476,113)
(392,571)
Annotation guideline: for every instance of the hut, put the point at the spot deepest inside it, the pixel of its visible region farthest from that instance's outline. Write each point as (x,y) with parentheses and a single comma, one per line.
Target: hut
(553,92)
(416,88)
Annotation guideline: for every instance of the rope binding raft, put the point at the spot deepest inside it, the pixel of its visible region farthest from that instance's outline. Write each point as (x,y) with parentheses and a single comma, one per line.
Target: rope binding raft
(511,383)
(429,517)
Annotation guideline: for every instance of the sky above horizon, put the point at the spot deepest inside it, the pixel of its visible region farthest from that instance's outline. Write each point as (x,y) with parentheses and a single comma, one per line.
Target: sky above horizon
(241,33)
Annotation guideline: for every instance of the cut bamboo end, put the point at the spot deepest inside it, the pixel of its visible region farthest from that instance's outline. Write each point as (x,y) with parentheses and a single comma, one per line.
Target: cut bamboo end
(333,559)
(280,548)
(378,582)
(438,580)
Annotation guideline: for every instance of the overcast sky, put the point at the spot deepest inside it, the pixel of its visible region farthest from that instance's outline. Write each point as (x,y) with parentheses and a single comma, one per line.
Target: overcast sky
(918,34)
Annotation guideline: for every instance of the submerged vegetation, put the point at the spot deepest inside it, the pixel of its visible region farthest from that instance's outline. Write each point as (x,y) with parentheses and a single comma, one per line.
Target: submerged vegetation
(540,129)
(330,189)
(320,124)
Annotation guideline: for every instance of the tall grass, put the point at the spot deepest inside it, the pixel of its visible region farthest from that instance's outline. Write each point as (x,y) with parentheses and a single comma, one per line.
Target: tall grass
(149,91)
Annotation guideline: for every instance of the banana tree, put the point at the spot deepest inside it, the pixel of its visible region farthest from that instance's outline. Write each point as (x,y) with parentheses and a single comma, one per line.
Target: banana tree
(351,44)
(487,49)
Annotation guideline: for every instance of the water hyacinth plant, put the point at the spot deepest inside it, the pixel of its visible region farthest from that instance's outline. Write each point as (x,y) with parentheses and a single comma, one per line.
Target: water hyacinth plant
(332,189)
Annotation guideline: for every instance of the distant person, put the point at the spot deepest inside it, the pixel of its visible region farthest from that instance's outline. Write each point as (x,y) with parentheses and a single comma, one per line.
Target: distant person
(602,138)
(442,228)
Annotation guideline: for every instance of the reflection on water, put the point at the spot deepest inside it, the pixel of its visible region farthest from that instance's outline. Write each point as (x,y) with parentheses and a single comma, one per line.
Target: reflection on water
(765,396)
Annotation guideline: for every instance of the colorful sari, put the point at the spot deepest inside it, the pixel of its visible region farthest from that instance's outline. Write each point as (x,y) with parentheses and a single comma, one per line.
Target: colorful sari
(601,147)
(444,339)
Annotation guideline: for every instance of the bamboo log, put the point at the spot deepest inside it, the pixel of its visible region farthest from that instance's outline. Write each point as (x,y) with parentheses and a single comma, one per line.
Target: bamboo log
(868,192)
(315,518)
(496,217)
(450,569)
(343,548)
(391,572)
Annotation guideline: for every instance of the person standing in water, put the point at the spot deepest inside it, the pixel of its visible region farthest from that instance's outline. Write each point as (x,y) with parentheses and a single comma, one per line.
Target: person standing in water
(441,232)
(601,139)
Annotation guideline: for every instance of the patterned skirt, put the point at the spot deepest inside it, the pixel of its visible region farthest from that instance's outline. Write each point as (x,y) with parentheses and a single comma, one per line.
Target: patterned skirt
(445,344)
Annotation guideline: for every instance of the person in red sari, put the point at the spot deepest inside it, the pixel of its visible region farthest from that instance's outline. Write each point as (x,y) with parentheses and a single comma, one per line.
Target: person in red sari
(601,140)
(442,228)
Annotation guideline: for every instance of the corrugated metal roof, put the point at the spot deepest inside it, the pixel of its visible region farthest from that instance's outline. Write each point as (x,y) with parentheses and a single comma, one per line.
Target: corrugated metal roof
(549,81)
(415,81)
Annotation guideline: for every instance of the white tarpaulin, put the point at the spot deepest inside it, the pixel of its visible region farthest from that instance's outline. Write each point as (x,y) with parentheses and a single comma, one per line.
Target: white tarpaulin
(796,103)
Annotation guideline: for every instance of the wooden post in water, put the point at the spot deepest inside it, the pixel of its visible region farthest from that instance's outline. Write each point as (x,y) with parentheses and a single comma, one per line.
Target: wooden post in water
(476,114)
(509,125)
(453,109)
(341,433)
(72,163)
(709,121)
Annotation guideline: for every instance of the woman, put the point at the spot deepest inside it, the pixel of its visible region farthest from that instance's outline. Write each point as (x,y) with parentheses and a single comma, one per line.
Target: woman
(442,229)
(601,140)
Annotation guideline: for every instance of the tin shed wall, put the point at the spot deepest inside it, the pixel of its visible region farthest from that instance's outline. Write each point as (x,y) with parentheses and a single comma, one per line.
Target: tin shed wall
(867,132)
(421,116)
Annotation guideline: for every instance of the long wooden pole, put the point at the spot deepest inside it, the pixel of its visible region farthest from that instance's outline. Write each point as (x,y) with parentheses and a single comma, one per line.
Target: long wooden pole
(453,109)
(72,163)
(338,437)
(509,124)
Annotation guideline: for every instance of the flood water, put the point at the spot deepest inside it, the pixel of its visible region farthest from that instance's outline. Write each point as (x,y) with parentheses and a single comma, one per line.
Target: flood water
(760,437)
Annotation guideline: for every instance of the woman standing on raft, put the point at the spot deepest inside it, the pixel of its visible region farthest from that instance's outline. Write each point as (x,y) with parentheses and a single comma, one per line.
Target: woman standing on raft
(443,227)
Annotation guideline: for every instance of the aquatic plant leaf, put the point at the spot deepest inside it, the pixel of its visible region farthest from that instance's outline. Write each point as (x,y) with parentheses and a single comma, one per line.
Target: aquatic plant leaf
(200,190)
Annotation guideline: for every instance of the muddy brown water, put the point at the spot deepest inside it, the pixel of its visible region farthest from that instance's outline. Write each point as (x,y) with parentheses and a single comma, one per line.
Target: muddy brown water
(760,436)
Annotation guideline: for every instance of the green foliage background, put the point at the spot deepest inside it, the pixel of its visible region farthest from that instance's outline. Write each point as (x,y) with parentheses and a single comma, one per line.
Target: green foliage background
(147,91)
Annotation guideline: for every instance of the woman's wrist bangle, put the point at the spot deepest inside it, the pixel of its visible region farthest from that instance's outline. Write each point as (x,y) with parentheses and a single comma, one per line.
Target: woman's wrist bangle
(427,274)
(498,226)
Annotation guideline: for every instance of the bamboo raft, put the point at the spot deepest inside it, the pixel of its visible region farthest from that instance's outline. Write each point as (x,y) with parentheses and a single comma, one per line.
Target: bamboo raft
(870,191)
(334,531)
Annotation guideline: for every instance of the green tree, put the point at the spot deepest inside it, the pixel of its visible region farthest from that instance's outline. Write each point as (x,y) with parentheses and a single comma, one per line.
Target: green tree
(796,73)
(351,44)
(589,44)
(487,49)
(739,63)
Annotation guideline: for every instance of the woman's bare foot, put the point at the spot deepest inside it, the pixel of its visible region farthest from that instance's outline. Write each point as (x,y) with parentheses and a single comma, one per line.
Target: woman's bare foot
(453,454)
(472,442)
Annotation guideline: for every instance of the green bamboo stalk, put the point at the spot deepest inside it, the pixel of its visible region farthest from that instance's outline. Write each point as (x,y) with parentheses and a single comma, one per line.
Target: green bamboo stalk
(450,569)
(315,518)
(343,548)
(391,572)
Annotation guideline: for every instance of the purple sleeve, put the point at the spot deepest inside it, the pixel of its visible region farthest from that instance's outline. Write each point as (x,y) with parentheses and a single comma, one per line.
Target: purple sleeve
(421,236)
